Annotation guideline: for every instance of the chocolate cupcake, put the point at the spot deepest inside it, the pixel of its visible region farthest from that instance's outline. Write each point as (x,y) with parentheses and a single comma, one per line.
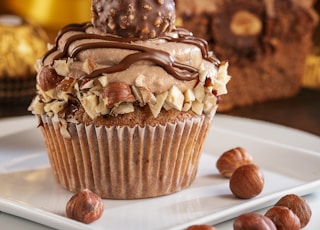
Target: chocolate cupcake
(125,102)
(21,44)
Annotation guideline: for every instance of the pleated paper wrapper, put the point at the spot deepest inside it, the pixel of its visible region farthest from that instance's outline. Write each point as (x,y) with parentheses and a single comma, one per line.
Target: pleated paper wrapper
(126,162)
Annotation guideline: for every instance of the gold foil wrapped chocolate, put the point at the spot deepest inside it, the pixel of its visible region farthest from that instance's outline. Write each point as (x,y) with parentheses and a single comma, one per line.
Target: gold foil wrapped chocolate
(21,44)
(51,15)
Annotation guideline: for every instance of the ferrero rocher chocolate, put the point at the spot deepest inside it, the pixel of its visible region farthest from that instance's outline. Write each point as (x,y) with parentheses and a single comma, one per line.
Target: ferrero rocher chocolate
(130,18)
(21,44)
(49,14)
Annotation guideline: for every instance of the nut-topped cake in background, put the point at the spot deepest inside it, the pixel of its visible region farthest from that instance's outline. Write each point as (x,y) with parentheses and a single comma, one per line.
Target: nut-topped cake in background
(265,41)
(124,102)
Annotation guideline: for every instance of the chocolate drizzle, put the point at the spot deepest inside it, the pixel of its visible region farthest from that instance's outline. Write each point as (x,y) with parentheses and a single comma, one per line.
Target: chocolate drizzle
(199,42)
(165,60)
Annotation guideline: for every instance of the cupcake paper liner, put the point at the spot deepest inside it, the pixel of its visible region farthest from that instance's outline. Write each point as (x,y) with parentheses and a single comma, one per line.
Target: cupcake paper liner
(125,162)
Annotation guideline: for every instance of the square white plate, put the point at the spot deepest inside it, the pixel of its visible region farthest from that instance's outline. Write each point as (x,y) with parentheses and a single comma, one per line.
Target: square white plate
(289,158)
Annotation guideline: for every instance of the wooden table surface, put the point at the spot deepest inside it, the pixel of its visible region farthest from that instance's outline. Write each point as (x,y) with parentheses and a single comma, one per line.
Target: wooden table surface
(300,112)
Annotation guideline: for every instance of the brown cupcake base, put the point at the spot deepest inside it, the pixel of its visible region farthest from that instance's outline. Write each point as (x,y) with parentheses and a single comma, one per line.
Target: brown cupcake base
(123,162)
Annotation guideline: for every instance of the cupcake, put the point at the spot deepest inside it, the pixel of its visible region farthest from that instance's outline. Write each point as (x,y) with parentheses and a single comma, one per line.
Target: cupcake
(125,101)
(21,44)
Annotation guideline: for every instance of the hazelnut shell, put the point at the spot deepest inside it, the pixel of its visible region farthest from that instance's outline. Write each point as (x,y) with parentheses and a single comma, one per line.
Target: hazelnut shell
(298,205)
(283,218)
(247,181)
(253,221)
(201,227)
(85,206)
(233,159)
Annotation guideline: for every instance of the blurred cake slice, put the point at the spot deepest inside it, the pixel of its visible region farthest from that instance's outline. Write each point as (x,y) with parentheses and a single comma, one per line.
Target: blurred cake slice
(265,41)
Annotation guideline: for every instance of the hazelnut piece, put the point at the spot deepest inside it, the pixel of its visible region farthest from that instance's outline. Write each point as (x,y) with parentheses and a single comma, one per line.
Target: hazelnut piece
(245,23)
(201,227)
(298,205)
(85,206)
(233,159)
(247,181)
(283,218)
(117,92)
(252,221)
(48,78)
(66,85)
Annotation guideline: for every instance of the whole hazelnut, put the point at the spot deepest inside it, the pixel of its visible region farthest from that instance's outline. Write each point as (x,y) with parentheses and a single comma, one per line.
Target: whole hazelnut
(298,205)
(253,221)
(201,227)
(247,181)
(85,206)
(283,218)
(48,78)
(233,159)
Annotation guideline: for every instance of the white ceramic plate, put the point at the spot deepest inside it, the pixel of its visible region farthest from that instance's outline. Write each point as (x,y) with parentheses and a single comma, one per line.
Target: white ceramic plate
(289,158)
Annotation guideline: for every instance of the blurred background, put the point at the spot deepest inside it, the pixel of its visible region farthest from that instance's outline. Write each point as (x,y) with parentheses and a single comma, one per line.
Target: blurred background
(301,111)
(51,15)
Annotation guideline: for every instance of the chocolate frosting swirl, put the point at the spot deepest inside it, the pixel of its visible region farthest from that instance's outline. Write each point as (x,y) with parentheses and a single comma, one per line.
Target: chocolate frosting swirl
(106,75)
(161,58)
